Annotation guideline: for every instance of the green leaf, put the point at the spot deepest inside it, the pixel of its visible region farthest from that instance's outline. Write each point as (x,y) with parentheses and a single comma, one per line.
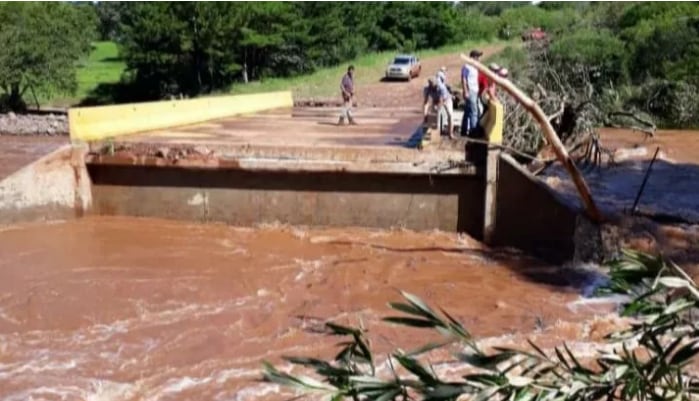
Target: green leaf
(673,282)
(409,309)
(273,375)
(414,367)
(444,391)
(428,347)
(686,353)
(457,328)
(485,361)
(340,330)
(537,349)
(388,395)
(519,381)
(420,304)
(486,394)
(408,321)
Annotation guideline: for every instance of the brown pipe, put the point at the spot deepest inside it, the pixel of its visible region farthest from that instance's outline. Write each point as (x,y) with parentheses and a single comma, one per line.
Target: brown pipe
(533,108)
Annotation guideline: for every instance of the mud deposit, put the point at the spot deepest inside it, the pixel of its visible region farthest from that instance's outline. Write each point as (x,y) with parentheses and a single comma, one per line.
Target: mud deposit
(141,309)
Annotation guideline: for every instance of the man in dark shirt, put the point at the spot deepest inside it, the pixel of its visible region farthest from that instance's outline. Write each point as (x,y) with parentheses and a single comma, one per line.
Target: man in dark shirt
(347,89)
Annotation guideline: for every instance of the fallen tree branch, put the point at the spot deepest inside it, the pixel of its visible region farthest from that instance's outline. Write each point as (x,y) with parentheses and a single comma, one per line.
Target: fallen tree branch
(558,113)
(583,190)
(651,126)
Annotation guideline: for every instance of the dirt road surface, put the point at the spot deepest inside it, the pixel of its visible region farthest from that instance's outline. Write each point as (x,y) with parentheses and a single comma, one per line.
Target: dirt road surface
(409,94)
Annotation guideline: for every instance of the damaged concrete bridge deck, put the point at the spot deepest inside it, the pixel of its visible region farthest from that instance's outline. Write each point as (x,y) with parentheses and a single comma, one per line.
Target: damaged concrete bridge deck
(293,166)
(255,159)
(302,139)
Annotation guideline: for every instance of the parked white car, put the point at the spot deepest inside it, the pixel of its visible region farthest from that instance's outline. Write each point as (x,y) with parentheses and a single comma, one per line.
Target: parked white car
(404,66)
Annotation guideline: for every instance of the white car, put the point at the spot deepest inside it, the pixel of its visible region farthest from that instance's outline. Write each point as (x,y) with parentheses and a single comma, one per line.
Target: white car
(404,66)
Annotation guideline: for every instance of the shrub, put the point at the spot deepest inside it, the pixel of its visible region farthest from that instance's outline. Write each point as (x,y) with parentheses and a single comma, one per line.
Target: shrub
(603,55)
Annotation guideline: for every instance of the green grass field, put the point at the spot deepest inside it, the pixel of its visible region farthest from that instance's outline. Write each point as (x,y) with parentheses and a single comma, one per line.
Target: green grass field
(104,66)
(323,82)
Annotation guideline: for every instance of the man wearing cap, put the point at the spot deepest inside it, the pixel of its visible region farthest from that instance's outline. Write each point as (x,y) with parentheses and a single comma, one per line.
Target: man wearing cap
(469,87)
(436,92)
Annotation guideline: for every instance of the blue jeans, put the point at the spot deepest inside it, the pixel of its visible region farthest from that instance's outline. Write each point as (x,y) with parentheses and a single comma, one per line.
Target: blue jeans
(470,120)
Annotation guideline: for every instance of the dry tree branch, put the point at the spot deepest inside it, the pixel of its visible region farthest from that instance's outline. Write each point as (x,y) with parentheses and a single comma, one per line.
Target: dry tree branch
(584,191)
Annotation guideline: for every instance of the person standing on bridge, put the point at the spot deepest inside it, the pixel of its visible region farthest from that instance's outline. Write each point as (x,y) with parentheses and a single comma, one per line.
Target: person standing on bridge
(469,87)
(347,89)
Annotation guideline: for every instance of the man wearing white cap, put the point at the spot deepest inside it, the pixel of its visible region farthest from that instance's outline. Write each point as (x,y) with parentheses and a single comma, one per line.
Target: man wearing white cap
(436,92)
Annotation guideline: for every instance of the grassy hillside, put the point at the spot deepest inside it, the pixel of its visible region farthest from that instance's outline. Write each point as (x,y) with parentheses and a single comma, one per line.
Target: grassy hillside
(103,66)
(324,81)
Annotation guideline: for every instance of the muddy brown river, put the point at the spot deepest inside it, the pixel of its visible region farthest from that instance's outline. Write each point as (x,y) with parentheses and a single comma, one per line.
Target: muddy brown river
(116,308)
(107,308)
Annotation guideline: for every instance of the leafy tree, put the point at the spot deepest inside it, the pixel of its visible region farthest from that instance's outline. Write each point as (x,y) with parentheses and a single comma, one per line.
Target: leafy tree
(180,48)
(109,14)
(597,52)
(41,45)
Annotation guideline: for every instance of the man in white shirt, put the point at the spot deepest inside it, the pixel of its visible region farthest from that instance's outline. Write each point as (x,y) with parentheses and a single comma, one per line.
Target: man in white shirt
(469,87)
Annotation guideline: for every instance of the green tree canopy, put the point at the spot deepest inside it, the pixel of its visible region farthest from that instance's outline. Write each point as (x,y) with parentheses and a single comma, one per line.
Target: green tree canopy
(41,45)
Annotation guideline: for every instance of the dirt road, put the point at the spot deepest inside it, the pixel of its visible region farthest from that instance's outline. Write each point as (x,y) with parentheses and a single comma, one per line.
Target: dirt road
(409,94)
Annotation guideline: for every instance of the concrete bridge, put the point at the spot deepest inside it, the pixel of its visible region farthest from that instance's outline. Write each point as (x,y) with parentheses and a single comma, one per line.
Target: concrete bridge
(253,159)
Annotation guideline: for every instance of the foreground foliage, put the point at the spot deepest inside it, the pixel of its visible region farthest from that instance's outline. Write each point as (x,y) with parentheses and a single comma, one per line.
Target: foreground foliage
(650,359)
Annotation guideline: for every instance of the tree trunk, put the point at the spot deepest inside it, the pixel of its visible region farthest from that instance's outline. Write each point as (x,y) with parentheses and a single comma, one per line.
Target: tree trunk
(15,102)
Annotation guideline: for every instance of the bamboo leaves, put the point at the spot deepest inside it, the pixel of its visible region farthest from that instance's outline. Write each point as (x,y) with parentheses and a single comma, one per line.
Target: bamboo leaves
(651,363)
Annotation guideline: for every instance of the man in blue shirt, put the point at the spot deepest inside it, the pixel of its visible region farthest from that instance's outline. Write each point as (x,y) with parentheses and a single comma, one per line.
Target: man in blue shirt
(469,87)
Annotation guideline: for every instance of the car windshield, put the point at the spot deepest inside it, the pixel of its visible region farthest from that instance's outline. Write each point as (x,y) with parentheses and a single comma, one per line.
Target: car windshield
(401,60)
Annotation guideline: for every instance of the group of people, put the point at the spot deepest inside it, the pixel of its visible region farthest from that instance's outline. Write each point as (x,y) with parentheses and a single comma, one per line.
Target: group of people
(476,90)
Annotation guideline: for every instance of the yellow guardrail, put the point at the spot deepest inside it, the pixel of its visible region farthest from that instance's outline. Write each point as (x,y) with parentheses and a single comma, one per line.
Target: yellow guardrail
(96,123)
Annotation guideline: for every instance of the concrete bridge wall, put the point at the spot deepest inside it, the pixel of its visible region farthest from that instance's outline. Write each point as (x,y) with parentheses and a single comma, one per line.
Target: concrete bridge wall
(527,214)
(419,202)
(54,187)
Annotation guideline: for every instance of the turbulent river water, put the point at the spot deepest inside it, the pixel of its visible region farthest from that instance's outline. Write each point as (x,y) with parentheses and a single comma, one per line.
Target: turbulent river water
(116,308)
(105,308)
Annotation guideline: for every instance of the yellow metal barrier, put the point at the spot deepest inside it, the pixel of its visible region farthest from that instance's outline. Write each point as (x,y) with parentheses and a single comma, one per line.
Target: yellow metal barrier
(95,123)
(493,122)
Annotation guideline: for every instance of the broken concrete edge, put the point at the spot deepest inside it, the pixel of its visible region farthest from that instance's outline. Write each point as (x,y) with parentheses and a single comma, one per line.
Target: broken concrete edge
(290,166)
(286,158)
(56,186)
(589,242)
(365,154)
